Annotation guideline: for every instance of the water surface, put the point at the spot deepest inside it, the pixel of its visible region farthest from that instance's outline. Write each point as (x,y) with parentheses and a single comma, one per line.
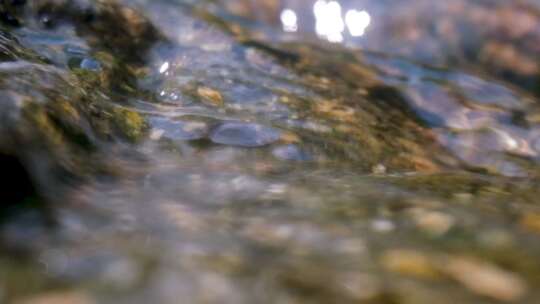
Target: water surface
(269,151)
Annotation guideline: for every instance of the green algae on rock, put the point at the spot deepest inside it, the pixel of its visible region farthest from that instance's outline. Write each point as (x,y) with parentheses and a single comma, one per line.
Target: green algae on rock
(131,124)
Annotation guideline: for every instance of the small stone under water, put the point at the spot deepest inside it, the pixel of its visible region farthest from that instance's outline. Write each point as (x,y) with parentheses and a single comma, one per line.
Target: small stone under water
(179,130)
(164,150)
(85,63)
(244,134)
(291,152)
(90,64)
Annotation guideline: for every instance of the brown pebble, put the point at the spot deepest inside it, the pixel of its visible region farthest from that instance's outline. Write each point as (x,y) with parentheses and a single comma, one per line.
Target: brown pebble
(486,279)
(531,222)
(210,96)
(409,262)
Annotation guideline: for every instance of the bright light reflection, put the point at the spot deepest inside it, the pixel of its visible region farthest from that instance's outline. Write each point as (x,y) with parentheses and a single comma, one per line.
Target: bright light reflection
(289,20)
(329,23)
(164,67)
(357,22)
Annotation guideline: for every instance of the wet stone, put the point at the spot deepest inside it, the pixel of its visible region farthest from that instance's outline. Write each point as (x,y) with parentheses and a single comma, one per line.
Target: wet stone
(244,134)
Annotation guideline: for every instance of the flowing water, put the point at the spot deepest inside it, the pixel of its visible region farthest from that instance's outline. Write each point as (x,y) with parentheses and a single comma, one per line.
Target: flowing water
(243,151)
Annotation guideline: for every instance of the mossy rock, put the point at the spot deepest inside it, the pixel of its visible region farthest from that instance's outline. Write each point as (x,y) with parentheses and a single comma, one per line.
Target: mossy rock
(131,124)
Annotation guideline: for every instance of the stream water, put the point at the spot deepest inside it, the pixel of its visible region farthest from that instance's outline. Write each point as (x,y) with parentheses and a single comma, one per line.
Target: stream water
(243,151)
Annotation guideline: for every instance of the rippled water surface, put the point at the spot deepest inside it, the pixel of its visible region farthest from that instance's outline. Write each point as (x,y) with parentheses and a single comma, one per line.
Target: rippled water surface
(269,151)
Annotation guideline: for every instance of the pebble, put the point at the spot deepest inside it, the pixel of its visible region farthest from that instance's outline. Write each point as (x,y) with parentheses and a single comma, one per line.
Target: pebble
(409,262)
(244,134)
(433,222)
(480,277)
(486,279)
(210,96)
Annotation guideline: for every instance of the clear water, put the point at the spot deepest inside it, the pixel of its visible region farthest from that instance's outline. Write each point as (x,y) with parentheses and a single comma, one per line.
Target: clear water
(270,152)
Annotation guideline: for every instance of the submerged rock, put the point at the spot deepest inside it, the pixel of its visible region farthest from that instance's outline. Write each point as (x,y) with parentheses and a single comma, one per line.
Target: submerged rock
(131,119)
(90,64)
(486,279)
(240,134)
(178,129)
(291,152)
